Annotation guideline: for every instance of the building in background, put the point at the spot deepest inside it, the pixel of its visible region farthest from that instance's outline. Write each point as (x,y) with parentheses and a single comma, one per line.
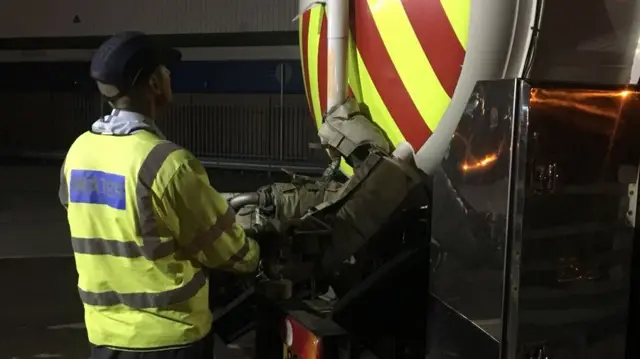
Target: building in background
(239,91)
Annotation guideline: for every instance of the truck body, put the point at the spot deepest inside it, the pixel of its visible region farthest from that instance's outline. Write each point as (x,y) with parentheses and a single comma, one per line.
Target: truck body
(496,98)
(414,63)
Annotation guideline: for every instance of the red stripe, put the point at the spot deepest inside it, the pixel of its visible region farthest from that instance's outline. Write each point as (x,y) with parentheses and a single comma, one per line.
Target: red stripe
(349,91)
(306,17)
(322,64)
(438,39)
(385,76)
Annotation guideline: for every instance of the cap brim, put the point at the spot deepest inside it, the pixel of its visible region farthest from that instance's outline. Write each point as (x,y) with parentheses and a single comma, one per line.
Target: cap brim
(170,56)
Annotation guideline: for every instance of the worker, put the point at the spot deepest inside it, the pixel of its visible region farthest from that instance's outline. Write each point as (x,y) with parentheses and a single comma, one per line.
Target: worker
(143,218)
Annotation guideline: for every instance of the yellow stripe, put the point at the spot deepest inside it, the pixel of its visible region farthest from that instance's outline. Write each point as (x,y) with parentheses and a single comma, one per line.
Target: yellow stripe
(315,26)
(368,95)
(379,112)
(410,60)
(302,57)
(459,14)
(352,68)
(365,92)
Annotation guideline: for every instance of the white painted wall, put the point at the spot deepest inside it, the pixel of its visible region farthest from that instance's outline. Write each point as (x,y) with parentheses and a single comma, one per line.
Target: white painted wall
(44,18)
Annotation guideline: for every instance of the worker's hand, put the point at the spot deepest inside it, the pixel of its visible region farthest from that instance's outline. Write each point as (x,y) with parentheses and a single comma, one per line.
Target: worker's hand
(270,241)
(261,231)
(267,237)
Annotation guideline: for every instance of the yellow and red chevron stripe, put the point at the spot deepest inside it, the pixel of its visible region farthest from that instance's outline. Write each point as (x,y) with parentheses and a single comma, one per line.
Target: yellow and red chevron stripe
(405,59)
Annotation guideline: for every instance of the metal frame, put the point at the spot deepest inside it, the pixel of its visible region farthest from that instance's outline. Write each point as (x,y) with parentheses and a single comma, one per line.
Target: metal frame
(510,318)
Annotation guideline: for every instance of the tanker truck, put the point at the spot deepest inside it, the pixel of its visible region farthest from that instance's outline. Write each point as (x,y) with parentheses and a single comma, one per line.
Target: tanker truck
(481,196)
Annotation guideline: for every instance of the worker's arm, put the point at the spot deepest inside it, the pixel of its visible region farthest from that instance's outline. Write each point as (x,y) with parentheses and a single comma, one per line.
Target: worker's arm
(203,223)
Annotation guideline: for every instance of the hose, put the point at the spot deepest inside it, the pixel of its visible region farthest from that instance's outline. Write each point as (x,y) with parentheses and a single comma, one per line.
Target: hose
(244,199)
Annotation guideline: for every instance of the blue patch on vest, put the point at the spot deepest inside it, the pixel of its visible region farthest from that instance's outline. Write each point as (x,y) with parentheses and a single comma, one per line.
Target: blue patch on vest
(97,187)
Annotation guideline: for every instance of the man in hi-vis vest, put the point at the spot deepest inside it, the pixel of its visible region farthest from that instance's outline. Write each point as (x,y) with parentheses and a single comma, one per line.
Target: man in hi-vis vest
(144,219)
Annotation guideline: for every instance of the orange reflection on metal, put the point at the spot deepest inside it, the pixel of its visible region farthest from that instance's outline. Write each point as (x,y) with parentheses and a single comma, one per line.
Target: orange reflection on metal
(482,163)
(598,105)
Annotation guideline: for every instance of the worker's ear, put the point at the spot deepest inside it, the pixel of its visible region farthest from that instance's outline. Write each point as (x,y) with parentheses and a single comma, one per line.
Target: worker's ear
(155,82)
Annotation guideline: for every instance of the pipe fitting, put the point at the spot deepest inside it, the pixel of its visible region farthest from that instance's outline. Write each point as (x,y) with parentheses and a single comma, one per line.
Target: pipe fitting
(243,200)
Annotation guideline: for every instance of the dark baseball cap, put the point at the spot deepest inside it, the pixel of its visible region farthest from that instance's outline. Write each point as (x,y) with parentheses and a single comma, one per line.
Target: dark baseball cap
(128,58)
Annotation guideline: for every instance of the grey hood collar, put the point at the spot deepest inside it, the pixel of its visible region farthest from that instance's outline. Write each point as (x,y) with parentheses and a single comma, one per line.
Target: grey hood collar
(123,122)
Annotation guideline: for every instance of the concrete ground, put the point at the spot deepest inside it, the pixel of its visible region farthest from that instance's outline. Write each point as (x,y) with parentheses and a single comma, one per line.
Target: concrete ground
(40,313)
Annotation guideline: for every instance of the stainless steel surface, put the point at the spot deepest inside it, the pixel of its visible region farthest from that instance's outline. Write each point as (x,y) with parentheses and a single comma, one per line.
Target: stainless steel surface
(569,281)
(515,220)
(475,179)
(239,201)
(531,213)
(337,44)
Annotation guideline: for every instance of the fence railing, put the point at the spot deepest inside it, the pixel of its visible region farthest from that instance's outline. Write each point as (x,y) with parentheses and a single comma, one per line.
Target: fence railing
(240,131)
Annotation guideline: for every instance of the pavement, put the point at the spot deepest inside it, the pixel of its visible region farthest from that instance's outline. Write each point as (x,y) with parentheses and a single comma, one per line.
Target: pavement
(41,315)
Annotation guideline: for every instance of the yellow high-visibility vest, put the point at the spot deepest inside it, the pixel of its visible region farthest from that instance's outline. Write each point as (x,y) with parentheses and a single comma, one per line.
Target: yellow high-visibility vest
(137,292)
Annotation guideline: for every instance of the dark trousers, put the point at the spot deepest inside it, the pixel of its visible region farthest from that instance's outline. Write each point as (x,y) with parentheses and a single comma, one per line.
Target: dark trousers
(202,349)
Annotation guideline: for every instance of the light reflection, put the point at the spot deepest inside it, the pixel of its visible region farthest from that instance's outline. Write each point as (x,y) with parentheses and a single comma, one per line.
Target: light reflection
(473,163)
(605,104)
(579,100)
(582,101)
(482,163)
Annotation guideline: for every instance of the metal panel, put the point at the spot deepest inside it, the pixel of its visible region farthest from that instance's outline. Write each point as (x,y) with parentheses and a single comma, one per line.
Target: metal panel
(570,251)
(534,214)
(470,209)
(152,16)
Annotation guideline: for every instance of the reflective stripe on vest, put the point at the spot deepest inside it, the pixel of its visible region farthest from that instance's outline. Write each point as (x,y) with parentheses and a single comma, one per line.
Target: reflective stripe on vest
(152,247)
(237,258)
(146,300)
